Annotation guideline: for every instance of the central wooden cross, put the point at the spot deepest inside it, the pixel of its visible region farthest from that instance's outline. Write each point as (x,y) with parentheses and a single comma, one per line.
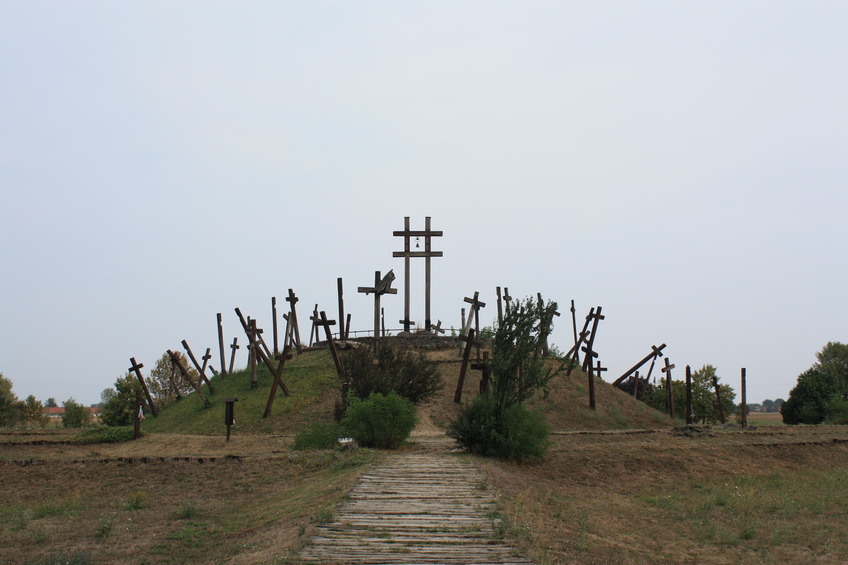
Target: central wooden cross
(381,286)
(407,253)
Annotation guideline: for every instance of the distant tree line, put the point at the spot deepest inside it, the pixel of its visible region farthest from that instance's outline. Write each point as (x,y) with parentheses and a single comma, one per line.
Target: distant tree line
(29,413)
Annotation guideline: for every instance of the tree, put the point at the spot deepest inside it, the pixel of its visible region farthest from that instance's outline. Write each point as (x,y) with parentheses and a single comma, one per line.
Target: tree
(821,392)
(167,384)
(76,415)
(9,405)
(33,412)
(704,402)
(51,403)
(496,422)
(119,402)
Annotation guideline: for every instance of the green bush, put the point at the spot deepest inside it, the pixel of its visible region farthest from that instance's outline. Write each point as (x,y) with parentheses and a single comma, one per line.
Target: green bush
(104,434)
(400,369)
(318,435)
(382,421)
(512,433)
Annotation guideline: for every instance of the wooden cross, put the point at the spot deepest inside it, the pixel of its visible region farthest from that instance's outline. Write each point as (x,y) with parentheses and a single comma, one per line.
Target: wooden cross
(175,360)
(292,300)
(469,340)
(322,321)
(381,286)
(473,315)
(343,329)
(234,346)
(407,253)
(437,328)
(253,335)
(136,368)
(484,366)
(507,299)
(500,306)
(574,322)
(670,398)
(221,345)
(277,382)
(201,371)
(655,352)
(574,352)
(545,329)
(597,317)
(206,357)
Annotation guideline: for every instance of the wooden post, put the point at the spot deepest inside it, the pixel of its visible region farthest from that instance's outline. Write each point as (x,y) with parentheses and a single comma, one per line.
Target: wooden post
(221,345)
(591,374)
(136,367)
(138,416)
(718,399)
(200,370)
(253,348)
(574,322)
(342,332)
(466,355)
(500,306)
(277,382)
(322,321)
(229,414)
(744,401)
(292,300)
(689,414)
(484,367)
(234,346)
(274,323)
(670,392)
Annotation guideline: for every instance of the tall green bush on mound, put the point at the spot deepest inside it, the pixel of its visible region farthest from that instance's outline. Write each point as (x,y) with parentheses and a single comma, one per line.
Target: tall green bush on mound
(497,423)
(382,421)
(514,433)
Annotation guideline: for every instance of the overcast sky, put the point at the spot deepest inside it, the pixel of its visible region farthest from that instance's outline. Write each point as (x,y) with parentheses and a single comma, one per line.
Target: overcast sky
(681,164)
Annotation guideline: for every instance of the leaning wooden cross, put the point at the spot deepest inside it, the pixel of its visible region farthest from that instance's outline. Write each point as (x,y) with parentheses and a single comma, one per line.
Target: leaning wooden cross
(179,365)
(669,391)
(473,316)
(381,286)
(136,367)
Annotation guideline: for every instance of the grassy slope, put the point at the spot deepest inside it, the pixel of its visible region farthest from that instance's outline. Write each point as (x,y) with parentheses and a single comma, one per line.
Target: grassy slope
(314,386)
(310,377)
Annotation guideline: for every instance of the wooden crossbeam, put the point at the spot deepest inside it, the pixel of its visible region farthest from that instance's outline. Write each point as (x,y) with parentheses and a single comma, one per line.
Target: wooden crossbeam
(655,352)
(175,361)
(201,371)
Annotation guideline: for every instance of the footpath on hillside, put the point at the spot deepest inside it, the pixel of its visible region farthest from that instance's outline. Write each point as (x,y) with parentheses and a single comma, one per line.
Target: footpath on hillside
(426,506)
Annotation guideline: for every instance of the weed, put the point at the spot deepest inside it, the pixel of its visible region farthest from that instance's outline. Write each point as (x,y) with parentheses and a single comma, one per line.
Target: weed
(187,511)
(583,529)
(136,500)
(324,515)
(61,558)
(105,526)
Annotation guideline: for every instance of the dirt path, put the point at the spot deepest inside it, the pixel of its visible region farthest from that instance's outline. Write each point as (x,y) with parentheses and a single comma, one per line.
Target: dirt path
(429,506)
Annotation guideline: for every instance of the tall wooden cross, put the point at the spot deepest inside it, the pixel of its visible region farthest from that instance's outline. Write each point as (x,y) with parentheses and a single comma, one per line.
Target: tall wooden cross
(381,286)
(407,253)
(234,346)
(597,317)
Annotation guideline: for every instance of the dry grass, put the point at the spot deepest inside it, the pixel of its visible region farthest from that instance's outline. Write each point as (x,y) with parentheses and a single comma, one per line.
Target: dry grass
(257,508)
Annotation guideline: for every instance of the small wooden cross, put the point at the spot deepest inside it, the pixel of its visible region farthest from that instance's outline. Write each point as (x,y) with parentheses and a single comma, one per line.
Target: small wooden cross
(670,393)
(381,286)
(323,322)
(292,300)
(234,346)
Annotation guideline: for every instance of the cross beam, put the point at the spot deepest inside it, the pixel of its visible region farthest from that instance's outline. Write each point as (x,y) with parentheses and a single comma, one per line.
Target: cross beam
(407,254)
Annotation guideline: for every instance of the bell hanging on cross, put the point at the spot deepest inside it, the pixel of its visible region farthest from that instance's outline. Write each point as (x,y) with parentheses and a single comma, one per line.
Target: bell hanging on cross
(417,242)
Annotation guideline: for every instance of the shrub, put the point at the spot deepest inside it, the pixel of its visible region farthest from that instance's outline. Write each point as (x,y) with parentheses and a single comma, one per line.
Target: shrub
(400,369)
(382,421)
(318,435)
(511,433)
(104,434)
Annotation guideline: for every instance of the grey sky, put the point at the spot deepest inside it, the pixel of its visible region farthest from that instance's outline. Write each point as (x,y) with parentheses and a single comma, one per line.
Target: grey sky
(682,164)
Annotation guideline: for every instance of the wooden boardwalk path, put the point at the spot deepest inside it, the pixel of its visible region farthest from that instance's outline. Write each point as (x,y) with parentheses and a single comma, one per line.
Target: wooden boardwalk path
(425,507)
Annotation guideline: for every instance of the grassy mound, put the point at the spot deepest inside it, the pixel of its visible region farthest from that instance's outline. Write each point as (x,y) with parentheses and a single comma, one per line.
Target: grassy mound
(314,386)
(311,379)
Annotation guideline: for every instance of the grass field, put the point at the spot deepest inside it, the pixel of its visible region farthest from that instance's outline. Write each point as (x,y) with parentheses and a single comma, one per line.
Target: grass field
(618,485)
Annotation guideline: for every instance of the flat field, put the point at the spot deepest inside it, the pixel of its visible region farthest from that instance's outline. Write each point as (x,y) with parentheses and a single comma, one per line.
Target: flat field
(765,495)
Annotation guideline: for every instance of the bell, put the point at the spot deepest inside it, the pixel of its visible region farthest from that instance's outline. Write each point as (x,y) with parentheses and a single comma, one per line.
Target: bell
(417,242)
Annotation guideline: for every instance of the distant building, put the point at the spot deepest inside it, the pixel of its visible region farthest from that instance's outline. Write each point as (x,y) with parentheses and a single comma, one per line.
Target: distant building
(55,414)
